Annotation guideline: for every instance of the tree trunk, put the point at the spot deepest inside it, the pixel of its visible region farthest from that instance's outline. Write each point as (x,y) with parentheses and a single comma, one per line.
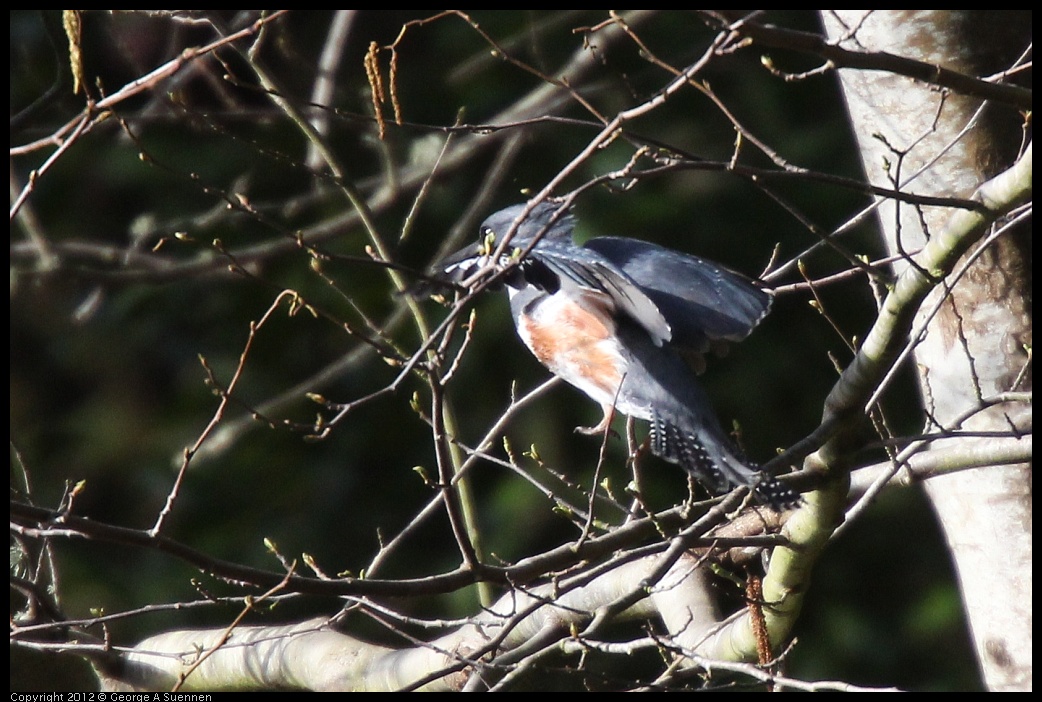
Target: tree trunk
(976,346)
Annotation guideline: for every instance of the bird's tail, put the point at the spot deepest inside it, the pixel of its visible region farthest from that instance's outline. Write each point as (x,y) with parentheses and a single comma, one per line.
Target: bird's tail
(715,464)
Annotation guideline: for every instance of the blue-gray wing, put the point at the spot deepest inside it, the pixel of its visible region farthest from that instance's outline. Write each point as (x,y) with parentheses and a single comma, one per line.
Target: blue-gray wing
(569,265)
(700,300)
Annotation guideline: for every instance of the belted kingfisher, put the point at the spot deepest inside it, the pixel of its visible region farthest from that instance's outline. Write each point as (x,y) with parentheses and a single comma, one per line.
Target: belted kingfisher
(620,319)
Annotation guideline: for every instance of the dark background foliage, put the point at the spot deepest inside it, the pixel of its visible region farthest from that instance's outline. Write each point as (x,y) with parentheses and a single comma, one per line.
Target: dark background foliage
(107,385)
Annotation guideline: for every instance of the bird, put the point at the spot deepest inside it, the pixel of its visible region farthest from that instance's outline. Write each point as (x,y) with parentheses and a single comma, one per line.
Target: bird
(623,320)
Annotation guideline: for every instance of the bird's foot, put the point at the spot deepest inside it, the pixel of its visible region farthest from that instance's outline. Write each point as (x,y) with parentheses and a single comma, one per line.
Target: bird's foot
(598,429)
